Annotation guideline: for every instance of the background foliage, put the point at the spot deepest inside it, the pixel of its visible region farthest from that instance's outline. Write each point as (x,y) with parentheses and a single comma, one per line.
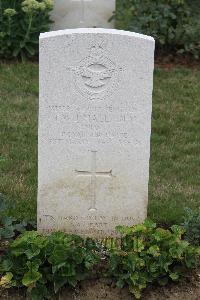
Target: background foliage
(175,24)
(20,25)
(170,22)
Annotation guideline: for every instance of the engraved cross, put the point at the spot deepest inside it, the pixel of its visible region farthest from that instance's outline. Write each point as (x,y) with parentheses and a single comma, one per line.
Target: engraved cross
(93,174)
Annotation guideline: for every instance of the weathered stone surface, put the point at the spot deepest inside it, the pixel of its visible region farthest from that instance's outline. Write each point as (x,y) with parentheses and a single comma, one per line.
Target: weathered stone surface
(82,13)
(94,130)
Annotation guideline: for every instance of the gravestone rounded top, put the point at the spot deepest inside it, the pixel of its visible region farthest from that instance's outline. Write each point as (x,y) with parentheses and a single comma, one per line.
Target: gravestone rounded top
(95,30)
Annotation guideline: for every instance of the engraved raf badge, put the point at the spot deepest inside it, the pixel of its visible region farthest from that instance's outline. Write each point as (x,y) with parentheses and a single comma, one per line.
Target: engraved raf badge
(96,76)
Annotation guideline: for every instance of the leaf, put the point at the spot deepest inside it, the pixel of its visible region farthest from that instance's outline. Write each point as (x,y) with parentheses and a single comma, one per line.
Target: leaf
(6,265)
(31,277)
(135,291)
(20,227)
(178,230)
(7,232)
(72,281)
(59,282)
(139,228)
(123,229)
(16,51)
(174,276)
(90,244)
(78,254)
(163,281)
(120,283)
(32,252)
(138,244)
(90,260)
(29,243)
(3,203)
(6,280)
(23,56)
(59,255)
(40,292)
(22,44)
(134,277)
(154,251)
(30,49)
(154,267)
(9,221)
(149,224)
(69,270)
(161,234)
(57,267)
(177,250)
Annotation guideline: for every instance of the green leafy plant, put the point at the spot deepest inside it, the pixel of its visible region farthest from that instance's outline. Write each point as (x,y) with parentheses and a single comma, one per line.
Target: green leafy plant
(21,22)
(10,227)
(149,254)
(191,225)
(44,264)
(145,254)
(190,39)
(169,22)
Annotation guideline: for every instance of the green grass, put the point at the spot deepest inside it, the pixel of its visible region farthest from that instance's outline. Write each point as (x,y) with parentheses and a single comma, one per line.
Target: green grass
(175,145)
(18,136)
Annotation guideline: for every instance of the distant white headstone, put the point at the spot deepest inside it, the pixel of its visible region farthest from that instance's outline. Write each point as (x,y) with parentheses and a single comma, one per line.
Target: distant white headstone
(94,130)
(82,13)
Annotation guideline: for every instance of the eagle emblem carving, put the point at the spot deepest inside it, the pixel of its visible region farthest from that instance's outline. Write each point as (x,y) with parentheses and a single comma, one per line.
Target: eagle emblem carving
(96,75)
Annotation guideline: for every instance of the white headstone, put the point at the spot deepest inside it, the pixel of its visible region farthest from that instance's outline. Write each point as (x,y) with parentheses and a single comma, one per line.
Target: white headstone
(82,13)
(94,130)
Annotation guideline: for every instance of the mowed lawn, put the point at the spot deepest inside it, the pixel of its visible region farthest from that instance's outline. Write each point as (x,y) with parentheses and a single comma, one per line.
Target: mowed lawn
(175,145)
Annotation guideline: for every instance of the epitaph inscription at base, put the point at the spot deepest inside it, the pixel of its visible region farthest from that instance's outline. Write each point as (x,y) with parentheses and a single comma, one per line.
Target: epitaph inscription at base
(94,130)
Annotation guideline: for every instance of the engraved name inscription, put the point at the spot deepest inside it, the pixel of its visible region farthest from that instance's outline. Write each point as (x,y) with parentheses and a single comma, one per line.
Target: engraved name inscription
(117,120)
